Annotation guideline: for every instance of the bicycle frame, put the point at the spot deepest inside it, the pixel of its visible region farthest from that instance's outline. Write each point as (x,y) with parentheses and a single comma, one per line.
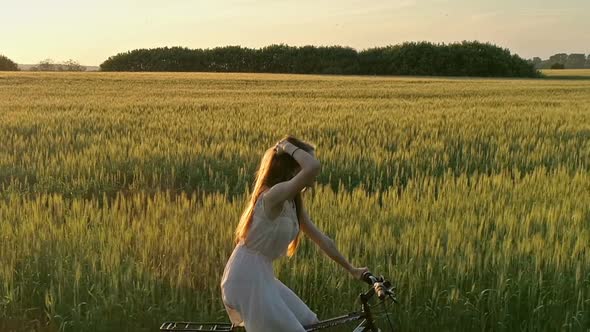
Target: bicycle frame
(367,324)
(365,314)
(195,326)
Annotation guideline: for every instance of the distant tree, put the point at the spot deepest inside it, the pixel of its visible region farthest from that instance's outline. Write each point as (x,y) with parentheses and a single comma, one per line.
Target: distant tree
(558,58)
(587,62)
(50,65)
(373,61)
(536,61)
(544,64)
(7,65)
(277,58)
(558,65)
(71,65)
(45,65)
(468,58)
(575,61)
(324,60)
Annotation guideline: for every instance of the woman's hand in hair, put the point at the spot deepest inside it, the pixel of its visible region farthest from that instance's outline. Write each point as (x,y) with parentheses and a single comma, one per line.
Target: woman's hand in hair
(280,147)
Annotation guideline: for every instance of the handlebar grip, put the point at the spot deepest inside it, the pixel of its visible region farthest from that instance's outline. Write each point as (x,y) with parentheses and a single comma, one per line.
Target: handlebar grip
(377,284)
(367,277)
(379,290)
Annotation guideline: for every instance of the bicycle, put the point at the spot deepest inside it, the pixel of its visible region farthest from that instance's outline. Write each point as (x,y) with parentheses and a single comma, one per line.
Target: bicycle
(367,315)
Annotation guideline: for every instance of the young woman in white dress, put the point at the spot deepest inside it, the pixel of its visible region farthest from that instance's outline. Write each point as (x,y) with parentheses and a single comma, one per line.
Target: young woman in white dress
(270,227)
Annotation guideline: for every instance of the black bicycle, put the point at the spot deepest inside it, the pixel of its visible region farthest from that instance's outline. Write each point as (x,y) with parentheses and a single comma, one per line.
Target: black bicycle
(371,314)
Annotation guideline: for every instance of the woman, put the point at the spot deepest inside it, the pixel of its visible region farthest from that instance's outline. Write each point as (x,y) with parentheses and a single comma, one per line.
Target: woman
(269,228)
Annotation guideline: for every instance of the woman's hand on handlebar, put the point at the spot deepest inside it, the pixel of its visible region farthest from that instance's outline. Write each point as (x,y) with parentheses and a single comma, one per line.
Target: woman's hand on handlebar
(357,273)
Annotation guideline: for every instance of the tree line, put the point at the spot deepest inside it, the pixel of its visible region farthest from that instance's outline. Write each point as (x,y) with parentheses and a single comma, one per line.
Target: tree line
(467,58)
(562,61)
(6,64)
(50,65)
(410,58)
(44,65)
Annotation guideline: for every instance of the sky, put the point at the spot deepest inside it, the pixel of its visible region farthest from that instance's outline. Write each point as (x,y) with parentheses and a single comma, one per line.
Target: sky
(91,31)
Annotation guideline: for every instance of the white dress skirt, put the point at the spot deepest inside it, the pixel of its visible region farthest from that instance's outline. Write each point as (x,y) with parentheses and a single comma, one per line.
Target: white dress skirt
(252,295)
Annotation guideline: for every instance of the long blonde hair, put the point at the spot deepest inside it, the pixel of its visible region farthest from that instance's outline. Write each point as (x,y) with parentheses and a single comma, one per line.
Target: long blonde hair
(272,170)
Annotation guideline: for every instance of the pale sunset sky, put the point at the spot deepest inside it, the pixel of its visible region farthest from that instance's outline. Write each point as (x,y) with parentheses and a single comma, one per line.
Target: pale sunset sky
(91,31)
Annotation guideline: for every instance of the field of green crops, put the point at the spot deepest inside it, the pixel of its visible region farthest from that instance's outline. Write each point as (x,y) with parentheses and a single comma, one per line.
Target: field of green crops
(583,74)
(119,194)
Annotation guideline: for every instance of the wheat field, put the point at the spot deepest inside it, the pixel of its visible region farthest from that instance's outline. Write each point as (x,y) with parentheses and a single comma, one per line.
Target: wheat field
(120,193)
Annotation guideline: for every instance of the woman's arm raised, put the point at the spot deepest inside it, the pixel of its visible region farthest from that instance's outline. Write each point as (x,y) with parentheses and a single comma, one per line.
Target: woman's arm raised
(310,168)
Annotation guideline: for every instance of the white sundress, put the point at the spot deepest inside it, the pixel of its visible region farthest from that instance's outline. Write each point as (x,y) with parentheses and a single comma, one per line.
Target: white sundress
(253,297)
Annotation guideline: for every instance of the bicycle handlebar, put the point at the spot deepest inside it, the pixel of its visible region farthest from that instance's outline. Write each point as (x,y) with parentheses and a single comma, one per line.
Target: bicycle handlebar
(380,285)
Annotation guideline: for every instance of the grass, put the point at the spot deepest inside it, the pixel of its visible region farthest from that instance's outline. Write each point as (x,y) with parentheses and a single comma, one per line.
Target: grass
(120,193)
(580,74)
